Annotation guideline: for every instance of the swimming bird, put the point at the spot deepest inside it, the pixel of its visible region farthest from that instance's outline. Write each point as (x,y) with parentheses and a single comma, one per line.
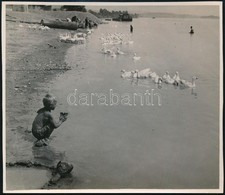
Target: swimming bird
(158,80)
(118,51)
(144,73)
(152,75)
(106,51)
(135,73)
(166,76)
(113,54)
(126,74)
(167,79)
(135,57)
(176,78)
(187,84)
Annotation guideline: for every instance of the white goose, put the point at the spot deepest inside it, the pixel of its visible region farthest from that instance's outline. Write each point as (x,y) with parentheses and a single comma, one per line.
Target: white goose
(176,78)
(89,31)
(126,74)
(64,37)
(118,51)
(167,79)
(135,74)
(144,73)
(106,51)
(165,76)
(81,35)
(44,28)
(113,55)
(135,57)
(187,84)
(152,75)
(158,80)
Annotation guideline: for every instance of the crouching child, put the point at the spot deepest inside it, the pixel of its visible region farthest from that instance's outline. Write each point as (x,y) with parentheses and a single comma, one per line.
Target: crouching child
(44,123)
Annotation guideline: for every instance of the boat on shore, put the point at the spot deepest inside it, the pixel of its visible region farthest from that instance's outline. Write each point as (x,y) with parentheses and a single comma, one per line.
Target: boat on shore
(60,24)
(108,19)
(125,17)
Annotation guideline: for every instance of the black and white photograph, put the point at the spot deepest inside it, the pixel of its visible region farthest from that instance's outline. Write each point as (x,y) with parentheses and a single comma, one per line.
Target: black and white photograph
(123,97)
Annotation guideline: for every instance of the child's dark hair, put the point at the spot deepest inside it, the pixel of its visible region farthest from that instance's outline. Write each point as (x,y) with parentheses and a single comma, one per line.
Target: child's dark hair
(49,100)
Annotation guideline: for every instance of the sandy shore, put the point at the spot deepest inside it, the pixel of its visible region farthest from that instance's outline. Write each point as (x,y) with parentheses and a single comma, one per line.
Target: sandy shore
(33,59)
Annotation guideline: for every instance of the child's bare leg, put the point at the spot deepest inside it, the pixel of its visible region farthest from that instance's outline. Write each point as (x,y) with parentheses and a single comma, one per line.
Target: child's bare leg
(43,135)
(49,132)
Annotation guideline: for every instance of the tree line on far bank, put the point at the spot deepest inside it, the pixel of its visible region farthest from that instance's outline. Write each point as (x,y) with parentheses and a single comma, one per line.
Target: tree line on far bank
(102,13)
(80,8)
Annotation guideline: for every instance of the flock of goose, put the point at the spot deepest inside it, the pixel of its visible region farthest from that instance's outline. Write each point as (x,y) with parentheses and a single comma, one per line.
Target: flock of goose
(166,78)
(112,52)
(110,40)
(115,39)
(35,27)
(77,38)
(38,27)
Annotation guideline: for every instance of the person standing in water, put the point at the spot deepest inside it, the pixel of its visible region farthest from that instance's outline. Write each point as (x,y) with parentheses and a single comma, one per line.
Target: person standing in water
(191,31)
(131,28)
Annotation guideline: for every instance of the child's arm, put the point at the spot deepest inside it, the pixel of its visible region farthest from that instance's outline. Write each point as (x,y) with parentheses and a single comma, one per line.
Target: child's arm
(53,123)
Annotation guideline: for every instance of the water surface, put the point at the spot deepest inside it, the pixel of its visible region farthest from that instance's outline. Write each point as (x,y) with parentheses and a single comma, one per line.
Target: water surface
(175,145)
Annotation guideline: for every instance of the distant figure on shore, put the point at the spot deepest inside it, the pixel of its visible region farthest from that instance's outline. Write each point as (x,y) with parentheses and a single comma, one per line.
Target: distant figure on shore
(42,22)
(86,22)
(75,19)
(44,123)
(131,28)
(191,31)
(90,24)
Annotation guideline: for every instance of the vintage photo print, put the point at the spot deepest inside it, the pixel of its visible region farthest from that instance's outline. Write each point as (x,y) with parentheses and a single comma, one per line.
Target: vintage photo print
(112,97)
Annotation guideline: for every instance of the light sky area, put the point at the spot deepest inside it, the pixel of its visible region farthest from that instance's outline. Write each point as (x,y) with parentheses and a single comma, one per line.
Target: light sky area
(199,10)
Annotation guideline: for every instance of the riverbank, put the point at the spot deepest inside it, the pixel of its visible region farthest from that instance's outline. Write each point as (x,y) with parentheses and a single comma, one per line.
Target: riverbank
(33,59)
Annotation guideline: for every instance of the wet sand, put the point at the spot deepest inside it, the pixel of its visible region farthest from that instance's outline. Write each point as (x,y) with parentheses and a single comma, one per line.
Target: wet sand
(19,178)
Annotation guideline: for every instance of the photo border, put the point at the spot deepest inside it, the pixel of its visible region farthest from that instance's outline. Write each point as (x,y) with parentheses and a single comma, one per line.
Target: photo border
(221,168)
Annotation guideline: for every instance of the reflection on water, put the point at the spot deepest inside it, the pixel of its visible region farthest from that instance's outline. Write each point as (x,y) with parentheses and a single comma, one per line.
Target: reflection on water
(193,92)
(47,155)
